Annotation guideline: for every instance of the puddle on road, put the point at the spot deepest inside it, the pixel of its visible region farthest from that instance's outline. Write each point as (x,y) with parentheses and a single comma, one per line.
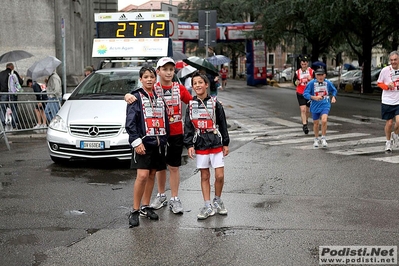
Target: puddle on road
(39,258)
(4,184)
(267,204)
(224,231)
(23,240)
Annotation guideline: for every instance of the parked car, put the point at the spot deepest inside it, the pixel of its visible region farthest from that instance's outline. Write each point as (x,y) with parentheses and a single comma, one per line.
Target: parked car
(91,122)
(353,77)
(375,73)
(347,77)
(287,74)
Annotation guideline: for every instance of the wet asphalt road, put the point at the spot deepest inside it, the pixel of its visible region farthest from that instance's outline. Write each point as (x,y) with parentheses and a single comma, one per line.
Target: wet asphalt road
(283,203)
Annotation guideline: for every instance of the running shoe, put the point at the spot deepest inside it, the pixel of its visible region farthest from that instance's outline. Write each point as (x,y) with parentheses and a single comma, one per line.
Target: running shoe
(205,212)
(148,212)
(324,142)
(395,139)
(134,219)
(159,202)
(219,208)
(305,129)
(175,206)
(388,145)
(316,143)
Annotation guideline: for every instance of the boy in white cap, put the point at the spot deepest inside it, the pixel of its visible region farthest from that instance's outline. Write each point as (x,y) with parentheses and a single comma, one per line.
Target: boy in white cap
(174,94)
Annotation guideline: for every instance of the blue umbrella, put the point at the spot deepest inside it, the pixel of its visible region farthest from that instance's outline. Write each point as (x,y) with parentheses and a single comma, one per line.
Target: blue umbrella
(349,67)
(318,64)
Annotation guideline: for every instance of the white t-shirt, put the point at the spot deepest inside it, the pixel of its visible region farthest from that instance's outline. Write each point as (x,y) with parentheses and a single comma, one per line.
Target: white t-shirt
(388,75)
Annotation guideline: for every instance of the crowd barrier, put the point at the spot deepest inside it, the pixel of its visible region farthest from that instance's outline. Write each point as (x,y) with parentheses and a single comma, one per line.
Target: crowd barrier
(22,112)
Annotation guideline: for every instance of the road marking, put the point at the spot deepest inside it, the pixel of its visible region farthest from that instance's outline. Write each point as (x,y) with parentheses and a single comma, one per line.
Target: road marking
(388,159)
(252,126)
(368,118)
(358,151)
(348,120)
(329,123)
(311,138)
(347,143)
(283,122)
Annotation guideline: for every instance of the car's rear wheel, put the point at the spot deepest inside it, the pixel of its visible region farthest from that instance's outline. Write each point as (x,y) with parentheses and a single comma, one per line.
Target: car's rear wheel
(59,160)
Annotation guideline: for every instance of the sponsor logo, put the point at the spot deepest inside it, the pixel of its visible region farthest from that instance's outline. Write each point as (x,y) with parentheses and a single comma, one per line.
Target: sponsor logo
(123,17)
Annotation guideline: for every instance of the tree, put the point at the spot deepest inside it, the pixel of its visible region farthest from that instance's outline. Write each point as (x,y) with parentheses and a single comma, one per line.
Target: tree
(227,12)
(368,28)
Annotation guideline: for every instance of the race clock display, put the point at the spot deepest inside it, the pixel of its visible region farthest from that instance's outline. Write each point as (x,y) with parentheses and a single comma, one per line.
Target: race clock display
(133,29)
(132,34)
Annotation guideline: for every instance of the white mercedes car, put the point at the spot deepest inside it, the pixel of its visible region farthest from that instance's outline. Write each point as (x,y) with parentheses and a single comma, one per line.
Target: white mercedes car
(91,122)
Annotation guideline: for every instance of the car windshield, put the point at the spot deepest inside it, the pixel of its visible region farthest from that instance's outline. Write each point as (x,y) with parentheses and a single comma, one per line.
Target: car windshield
(107,84)
(351,73)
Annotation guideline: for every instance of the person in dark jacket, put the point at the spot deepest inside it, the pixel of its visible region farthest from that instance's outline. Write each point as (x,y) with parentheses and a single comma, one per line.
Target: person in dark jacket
(206,135)
(4,76)
(148,129)
(40,106)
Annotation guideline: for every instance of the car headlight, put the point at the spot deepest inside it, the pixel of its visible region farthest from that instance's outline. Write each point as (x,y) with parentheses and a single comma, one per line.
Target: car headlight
(58,124)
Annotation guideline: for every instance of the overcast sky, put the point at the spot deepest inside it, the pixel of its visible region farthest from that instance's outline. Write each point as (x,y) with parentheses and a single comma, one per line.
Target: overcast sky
(125,3)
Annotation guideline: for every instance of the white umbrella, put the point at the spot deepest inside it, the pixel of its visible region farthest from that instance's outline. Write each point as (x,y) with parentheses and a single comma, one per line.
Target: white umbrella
(187,70)
(218,59)
(44,67)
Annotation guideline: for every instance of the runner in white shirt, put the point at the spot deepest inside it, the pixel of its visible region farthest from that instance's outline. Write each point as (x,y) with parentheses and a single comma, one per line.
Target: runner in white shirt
(388,81)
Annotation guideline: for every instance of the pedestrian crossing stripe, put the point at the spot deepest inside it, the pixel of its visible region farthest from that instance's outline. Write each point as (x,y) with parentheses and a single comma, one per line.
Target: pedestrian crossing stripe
(283,122)
(367,118)
(359,151)
(346,143)
(329,123)
(310,139)
(388,159)
(348,120)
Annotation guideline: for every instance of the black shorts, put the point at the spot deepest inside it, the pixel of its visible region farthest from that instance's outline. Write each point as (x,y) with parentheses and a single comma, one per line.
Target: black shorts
(40,107)
(174,150)
(302,100)
(154,158)
(389,111)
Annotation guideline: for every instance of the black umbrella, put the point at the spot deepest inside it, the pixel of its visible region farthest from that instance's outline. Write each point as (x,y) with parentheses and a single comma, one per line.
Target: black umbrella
(178,56)
(14,56)
(201,63)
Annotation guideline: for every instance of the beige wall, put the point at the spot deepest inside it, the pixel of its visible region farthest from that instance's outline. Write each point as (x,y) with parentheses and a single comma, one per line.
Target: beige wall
(35,26)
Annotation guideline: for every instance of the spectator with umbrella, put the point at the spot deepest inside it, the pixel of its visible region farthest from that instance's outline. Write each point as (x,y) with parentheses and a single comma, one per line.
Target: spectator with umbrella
(44,67)
(207,68)
(54,90)
(7,77)
(40,106)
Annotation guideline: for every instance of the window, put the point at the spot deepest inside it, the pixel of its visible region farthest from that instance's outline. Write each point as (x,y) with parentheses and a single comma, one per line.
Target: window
(270,59)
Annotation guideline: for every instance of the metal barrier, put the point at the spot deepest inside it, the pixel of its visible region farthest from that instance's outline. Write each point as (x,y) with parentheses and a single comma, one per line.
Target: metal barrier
(22,112)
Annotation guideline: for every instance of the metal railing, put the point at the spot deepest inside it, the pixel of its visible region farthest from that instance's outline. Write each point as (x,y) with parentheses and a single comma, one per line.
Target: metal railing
(22,112)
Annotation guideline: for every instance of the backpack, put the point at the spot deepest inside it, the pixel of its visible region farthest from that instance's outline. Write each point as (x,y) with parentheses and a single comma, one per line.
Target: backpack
(13,83)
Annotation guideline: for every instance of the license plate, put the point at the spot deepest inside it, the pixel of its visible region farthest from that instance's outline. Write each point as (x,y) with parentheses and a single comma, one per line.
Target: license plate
(92,145)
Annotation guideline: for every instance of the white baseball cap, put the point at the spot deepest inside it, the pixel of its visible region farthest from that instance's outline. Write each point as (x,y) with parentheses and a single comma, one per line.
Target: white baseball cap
(164,60)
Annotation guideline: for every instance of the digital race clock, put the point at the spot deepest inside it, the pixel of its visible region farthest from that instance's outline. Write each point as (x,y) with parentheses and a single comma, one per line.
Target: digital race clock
(133,29)
(132,34)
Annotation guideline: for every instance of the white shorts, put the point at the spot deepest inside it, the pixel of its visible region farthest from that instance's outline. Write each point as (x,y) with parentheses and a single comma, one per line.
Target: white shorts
(214,160)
